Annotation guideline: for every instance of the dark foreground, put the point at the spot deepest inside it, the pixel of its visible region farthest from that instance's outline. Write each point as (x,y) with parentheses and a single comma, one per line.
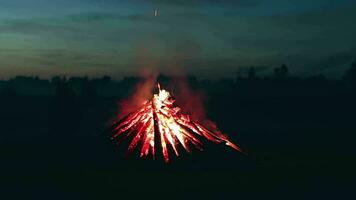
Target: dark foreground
(299,147)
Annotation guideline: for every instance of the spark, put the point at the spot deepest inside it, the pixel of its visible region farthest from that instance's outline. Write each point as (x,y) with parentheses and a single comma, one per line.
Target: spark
(159,122)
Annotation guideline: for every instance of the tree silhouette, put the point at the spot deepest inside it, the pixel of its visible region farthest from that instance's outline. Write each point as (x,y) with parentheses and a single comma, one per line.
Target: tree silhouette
(64,111)
(281,72)
(58,79)
(350,74)
(239,74)
(106,79)
(252,73)
(9,90)
(89,89)
(63,89)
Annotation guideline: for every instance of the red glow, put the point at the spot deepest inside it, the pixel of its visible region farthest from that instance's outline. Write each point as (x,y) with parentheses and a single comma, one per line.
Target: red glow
(159,117)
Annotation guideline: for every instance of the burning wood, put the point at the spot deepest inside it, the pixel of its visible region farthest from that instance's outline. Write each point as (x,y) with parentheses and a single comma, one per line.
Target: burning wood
(159,122)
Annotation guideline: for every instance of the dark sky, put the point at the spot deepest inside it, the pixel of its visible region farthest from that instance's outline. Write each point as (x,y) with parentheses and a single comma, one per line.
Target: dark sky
(210,38)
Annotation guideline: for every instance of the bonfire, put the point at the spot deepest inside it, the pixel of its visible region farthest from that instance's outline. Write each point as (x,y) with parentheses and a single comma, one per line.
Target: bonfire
(159,124)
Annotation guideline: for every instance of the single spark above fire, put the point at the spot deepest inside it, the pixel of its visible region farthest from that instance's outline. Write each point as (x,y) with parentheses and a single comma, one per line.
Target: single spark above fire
(158,124)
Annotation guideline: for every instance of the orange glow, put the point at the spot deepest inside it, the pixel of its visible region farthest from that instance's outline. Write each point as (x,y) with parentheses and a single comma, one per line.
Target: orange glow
(159,117)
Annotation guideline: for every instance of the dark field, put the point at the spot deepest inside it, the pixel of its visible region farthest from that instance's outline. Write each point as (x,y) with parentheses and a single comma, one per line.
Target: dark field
(299,136)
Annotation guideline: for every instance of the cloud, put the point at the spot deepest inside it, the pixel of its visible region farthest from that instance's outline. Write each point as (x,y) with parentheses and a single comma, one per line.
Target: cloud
(204,2)
(35,27)
(335,64)
(101,16)
(203,42)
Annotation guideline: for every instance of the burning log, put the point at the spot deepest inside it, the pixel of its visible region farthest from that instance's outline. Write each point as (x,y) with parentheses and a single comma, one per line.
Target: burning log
(158,124)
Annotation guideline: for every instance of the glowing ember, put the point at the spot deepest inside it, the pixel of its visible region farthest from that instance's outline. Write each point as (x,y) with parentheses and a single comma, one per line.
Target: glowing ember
(159,121)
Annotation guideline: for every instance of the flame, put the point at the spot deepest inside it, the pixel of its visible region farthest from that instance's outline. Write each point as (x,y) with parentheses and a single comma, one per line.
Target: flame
(159,121)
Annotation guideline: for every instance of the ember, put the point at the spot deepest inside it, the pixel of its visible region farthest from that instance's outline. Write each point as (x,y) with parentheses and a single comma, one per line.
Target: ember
(159,122)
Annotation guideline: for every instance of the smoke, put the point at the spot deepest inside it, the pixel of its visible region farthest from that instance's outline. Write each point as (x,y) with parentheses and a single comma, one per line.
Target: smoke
(182,87)
(189,100)
(142,92)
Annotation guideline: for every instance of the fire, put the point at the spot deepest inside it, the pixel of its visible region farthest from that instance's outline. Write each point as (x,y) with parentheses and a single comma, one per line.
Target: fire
(160,124)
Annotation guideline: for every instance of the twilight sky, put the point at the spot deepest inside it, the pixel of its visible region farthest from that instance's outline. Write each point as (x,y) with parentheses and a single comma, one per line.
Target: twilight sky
(209,38)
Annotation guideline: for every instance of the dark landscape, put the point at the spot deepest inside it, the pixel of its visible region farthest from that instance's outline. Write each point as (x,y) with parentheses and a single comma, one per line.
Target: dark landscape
(298,133)
(84,82)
